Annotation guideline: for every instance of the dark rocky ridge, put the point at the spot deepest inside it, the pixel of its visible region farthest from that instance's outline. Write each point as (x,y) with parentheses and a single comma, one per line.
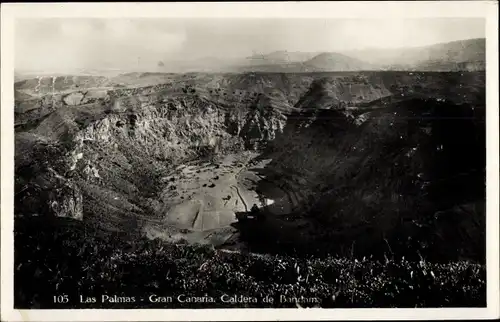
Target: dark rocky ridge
(413,168)
(343,144)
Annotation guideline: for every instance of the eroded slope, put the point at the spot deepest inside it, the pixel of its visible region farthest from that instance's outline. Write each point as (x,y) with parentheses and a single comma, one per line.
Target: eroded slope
(401,176)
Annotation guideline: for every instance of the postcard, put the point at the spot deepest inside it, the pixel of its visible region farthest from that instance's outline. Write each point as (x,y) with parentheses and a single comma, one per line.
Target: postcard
(250,161)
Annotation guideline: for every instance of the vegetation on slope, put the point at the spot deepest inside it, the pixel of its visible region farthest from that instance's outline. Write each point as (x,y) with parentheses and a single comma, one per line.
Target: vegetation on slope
(66,257)
(412,174)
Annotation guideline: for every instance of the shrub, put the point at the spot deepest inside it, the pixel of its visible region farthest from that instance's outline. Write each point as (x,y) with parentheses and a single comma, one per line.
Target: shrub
(59,256)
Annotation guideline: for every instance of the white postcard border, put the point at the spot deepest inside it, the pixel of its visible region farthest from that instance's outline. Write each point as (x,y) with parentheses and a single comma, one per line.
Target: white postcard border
(354,9)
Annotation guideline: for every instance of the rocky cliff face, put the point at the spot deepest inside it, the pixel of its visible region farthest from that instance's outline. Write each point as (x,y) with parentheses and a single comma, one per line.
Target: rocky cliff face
(115,152)
(334,93)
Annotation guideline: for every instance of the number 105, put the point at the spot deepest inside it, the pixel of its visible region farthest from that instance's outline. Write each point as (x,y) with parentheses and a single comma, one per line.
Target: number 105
(61,299)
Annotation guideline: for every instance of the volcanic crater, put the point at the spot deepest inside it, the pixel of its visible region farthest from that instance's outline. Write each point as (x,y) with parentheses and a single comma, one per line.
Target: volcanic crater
(375,159)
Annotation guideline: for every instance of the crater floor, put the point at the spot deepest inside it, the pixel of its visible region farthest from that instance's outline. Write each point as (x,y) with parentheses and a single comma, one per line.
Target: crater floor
(204,198)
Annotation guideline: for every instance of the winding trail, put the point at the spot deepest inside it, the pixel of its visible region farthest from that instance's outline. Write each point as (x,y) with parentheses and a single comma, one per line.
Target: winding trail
(241,197)
(193,224)
(37,87)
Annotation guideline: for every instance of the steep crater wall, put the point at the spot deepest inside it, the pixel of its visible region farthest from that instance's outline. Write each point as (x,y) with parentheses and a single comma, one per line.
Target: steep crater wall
(403,176)
(116,157)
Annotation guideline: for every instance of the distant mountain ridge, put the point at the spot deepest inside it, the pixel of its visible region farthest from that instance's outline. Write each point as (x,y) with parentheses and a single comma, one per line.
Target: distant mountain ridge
(289,62)
(467,54)
(281,56)
(462,55)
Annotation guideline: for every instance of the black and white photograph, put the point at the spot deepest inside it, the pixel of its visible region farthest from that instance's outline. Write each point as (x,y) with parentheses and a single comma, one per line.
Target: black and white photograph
(249,162)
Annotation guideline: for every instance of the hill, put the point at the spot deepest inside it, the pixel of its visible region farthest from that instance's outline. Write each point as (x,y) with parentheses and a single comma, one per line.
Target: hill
(336,62)
(280,57)
(466,55)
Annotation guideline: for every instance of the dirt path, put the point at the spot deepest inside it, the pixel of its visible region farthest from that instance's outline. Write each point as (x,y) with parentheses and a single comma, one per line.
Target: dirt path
(241,198)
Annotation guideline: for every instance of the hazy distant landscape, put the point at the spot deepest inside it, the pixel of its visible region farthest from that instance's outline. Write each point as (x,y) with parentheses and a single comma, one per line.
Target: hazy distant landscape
(355,177)
(464,55)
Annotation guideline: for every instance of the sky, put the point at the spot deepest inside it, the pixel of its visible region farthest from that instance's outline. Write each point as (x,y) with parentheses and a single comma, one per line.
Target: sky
(56,43)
